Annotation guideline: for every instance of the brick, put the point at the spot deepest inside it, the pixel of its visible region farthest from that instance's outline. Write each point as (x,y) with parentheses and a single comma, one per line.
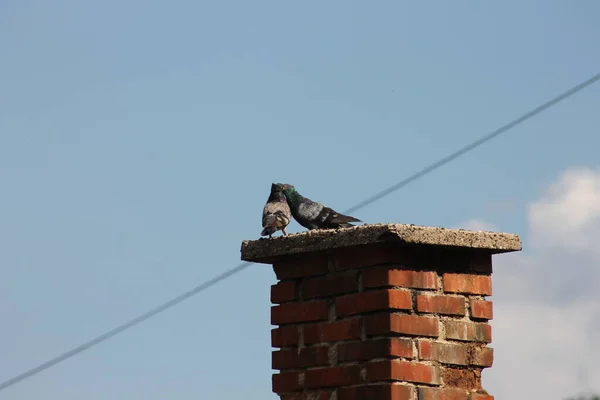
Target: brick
(462,378)
(442,394)
(299,312)
(466,283)
(303,358)
(482,309)
(332,332)
(373,301)
(309,395)
(329,286)
(384,277)
(283,292)
(468,331)
(406,371)
(481,396)
(332,377)
(425,350)
(447,305)
(285,336)
(383,391)
(406,324)
(378,348)
(447,353)
(301,267)
(482,357)
(286,382)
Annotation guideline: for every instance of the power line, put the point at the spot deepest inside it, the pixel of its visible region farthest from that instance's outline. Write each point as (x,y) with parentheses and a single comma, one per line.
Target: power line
(475,144)
(182,297)
(107,335)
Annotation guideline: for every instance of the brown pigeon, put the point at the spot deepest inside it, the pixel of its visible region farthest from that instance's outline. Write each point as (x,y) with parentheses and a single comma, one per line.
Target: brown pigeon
(276,213)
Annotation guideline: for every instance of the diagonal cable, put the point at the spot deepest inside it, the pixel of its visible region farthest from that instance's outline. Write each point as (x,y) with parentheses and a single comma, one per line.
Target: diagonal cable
(473,145)
(129,324)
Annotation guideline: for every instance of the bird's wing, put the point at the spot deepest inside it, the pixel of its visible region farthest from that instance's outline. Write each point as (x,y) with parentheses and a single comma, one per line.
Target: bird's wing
(310,210)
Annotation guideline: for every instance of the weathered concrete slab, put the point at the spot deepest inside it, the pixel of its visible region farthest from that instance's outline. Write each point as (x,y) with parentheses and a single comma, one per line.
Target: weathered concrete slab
(265,250)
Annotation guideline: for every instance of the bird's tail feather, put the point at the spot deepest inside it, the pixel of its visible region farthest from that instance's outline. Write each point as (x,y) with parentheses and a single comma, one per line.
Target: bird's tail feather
(269,224)
(268,230)
(341,219)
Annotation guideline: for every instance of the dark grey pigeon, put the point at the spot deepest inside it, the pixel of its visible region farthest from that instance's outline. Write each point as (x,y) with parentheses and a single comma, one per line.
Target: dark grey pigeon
(313,215)
(276,213)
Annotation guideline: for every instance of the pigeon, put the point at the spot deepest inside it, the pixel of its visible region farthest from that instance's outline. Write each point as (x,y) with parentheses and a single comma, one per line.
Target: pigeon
(313,215)
(276,213)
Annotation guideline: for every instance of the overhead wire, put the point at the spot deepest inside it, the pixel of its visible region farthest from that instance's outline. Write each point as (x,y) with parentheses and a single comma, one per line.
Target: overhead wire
(200,288)
(474,145)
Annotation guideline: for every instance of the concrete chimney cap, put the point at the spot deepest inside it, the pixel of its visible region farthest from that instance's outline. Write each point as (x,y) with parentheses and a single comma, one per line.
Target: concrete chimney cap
(266,250)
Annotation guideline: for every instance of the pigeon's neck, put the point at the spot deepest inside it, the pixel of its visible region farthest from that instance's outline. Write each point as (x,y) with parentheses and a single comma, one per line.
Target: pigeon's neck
(294,198)
(276,197)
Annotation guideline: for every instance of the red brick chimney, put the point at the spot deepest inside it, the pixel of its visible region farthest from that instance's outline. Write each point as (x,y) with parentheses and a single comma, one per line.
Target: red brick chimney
(381,312)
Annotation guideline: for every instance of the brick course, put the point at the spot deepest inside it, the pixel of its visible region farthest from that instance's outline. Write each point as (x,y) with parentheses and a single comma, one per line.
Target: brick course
(373,301)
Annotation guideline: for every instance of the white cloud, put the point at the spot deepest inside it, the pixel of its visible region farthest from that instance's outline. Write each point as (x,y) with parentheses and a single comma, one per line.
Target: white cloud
(543,351)
(476,225)
(547,298)
(568,214)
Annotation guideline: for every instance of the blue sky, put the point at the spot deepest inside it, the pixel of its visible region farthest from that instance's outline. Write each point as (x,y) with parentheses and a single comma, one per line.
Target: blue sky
(138,142)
